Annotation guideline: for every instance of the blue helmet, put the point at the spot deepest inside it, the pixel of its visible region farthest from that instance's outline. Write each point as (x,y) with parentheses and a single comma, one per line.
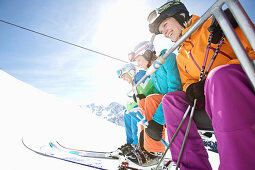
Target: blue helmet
(127,68)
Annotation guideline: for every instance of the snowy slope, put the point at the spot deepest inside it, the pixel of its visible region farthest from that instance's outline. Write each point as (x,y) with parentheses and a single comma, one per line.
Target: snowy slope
(39,117)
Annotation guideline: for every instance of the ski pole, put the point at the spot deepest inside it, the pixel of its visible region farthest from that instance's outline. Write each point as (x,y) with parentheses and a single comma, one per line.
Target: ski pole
(175,134)
(164,142)
(142,121)
(186,134)
(214,55)
(206,55)
(145,124)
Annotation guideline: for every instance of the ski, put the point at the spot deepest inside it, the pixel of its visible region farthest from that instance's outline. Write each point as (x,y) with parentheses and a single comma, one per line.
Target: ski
(51,150)
(87,153)
(92,159)
(125,164)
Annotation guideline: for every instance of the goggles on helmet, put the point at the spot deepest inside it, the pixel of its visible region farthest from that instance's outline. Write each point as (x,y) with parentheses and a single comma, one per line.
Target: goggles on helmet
(119,73)
(156,13)
(141,51)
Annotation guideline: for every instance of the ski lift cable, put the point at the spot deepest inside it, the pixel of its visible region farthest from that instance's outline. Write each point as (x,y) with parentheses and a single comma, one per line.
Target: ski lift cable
(36,32)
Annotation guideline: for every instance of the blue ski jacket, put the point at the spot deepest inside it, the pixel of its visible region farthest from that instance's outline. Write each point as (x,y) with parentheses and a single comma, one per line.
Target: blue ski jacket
(166,79)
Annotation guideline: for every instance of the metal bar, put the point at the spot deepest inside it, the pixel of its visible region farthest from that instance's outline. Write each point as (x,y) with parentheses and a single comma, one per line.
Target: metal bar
(236,44)
(243,20)
(152,37)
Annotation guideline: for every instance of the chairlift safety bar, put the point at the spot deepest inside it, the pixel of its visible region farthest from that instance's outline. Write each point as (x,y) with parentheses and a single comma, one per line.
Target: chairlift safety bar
(243,21)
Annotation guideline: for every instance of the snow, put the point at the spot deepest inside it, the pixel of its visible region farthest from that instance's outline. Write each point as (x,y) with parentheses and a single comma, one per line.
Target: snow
(39,118)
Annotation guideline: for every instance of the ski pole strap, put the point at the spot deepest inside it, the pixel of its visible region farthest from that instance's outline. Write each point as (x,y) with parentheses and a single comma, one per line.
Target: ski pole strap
(137,110)
(140,115)
(214,55)
(142,120)
(206,55)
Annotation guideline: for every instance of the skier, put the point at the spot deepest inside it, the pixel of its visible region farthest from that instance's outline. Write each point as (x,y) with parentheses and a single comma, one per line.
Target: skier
(129,73)
(165,79)
(227,93)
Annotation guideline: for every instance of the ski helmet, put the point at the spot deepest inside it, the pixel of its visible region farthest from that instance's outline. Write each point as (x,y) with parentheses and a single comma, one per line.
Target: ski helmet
(173,9)
(127,68)
(144,48)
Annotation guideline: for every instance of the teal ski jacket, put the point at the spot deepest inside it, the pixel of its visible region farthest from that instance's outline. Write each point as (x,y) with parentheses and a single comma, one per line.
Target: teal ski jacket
(166,79)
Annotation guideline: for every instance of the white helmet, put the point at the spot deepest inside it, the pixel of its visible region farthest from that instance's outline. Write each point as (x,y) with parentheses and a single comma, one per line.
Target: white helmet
(127,68)
(140,49)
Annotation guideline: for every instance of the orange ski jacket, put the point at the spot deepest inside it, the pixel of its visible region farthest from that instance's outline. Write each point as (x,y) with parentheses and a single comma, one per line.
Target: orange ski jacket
(192,52)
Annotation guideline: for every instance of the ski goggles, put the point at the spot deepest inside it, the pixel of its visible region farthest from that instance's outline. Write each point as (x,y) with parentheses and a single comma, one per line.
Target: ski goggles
(119,73)
(156,13)
(131,56)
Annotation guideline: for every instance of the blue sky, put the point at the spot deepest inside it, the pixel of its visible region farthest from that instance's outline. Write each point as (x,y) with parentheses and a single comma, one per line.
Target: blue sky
(112,27)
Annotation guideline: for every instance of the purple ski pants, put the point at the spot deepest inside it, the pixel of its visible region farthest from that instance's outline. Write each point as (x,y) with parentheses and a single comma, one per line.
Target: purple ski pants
(230,103)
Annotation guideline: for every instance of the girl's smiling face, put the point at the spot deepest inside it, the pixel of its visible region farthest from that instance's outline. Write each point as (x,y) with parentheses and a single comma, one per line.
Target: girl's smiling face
(171,29)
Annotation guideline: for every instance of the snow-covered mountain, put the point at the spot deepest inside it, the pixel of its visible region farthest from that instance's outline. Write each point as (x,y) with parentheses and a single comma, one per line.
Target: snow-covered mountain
(114,112)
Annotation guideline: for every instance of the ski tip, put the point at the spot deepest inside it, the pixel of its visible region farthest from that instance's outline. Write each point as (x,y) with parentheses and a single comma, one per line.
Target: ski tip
(74,152)
(51,144)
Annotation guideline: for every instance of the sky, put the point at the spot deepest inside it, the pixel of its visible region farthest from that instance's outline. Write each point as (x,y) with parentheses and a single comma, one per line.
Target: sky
(112,27)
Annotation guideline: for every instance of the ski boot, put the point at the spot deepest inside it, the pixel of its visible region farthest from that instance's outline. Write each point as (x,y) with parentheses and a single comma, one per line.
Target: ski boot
(142,159)
(123,150)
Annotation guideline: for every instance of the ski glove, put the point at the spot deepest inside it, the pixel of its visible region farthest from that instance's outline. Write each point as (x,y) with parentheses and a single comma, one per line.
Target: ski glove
(216,29)
(195,91)
(139,96)
(154,130)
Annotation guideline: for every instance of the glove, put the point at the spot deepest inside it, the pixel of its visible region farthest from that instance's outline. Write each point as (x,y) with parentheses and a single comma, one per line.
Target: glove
(154,130)
(216,29)
(195,91)
(139,96)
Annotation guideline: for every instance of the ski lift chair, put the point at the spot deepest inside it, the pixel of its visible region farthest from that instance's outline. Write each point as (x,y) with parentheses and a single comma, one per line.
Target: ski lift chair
(203,123)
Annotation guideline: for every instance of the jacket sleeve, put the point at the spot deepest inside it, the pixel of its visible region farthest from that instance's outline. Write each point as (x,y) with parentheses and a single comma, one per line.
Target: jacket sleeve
(185,77)
(173,84)
(246,46)
(173,76)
